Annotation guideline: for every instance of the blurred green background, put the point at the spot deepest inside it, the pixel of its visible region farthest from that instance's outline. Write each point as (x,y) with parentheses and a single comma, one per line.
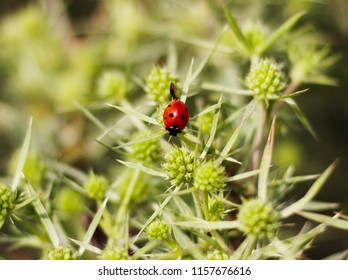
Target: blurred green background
(325,106)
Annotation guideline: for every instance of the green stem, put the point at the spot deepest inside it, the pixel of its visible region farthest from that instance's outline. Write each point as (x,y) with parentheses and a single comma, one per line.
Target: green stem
(125,202)
(258,137)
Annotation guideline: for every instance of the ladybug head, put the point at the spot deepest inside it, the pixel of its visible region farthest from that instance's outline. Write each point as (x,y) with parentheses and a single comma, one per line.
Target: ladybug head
(173,130)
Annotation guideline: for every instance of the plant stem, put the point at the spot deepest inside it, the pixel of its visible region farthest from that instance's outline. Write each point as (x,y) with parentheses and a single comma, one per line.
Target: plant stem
(258,137)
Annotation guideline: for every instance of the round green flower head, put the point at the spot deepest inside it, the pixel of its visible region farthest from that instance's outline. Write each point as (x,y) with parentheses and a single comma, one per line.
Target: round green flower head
(7,198)
(216,208)
(205,122)
(265,78)
(178,165)
(69,203)
(112,84)
(114,253)
(62,253)
(33,168)
(209,176)
(258,219)
(96,186)
(157,230)
(157,84)
(216,255)
(147,151)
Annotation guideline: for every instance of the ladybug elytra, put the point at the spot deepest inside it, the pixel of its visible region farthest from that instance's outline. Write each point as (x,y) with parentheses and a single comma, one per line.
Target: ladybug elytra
(175,116)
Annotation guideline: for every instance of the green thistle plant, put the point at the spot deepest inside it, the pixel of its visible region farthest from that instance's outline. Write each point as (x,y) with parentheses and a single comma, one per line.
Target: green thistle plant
(114,253)
(62,253)
(157,230)
(147,151)
(179,166)
(265,78)
(96,186)
(209,176)
(258,219)
(216,208)
(7,202)
(157,84)
(217,255)
(223,184)
(69,203)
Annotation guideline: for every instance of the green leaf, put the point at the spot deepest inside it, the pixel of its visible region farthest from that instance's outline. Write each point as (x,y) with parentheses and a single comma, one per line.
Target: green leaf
(212,131)
(123,208)
(187,83)
(245,249)
(133,113)
(26,202)
(92,227)
(149,246)
(237,31)
(284,28)
(226,89)
(249,110)
(293,180)
(187,244)
(312,192)
(320,206)
(143,168)
(207,58)
(22,157)
(265,165)
(202,224)
(157,211)
(206,111)
(301,117)
(229,145)
(323,219)
(142,139)
(42,213)
(294,94)
(90,116)
(243,175)
(87,247)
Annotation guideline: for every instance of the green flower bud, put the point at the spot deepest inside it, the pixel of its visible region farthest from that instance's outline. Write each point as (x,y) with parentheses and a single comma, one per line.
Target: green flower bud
(205,122)
(7,201)
(216,208)
(69,202)
(179,164)
(33,167)
(112,84)
(217,255)
(258,219)
(96,186)
(265,78)
(157,84)
(209,176)
(147,151)
(157,230)
(62,253)
(114,253)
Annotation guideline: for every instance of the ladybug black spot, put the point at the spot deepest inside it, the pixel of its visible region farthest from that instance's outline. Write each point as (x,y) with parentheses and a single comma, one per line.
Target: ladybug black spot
(182,117)
(171,115)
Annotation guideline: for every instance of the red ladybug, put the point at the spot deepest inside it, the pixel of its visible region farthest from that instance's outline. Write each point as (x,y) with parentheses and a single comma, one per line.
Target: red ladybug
(175,116)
